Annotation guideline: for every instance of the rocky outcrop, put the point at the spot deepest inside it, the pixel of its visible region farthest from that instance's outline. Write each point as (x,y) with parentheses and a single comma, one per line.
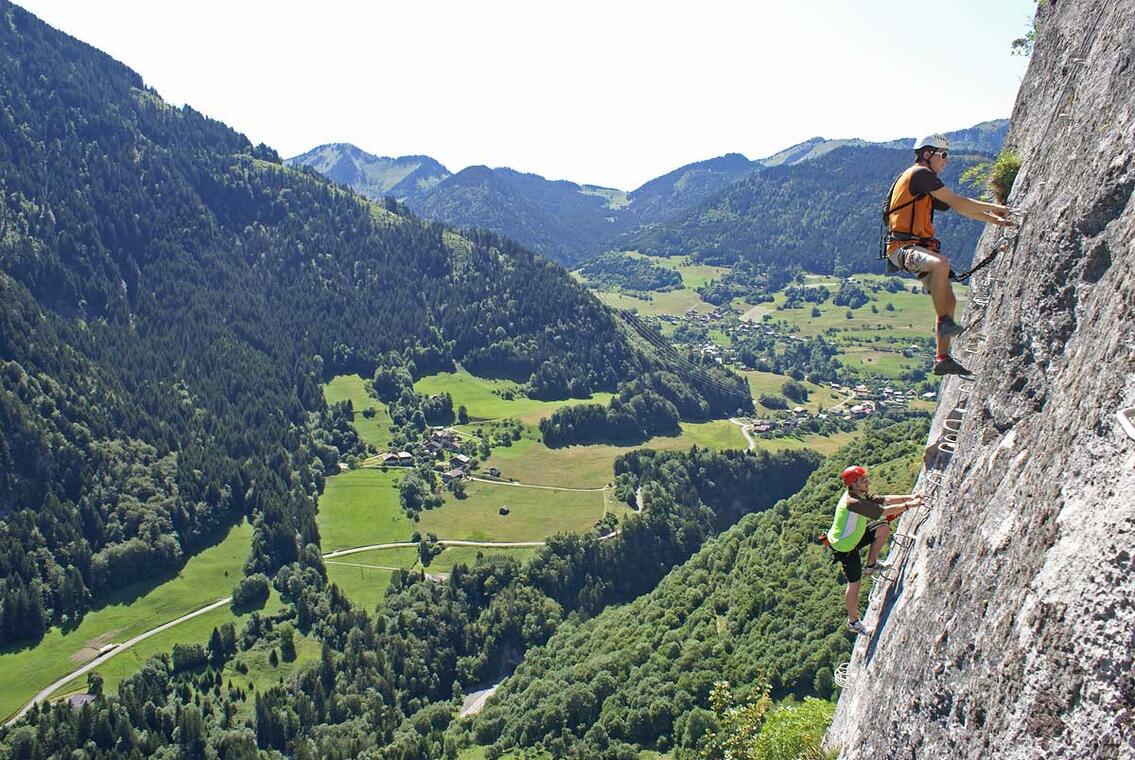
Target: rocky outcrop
(1006,629)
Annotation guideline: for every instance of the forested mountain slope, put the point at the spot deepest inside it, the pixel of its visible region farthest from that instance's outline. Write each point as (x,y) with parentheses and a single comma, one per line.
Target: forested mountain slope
(760,600)
(570,223)
(818,214)
(1009,631)
(171,298)
(559,219)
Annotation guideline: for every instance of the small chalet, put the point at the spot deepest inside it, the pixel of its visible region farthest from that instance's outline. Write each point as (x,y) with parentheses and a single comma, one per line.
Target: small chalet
(405,458)
(459,460)
(388,459)
(450,475)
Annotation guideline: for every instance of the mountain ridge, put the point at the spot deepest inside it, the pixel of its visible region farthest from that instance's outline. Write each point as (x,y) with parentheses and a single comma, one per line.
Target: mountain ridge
(563,220)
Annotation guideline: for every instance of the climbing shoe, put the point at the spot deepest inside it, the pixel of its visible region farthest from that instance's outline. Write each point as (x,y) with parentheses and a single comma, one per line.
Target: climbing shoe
(858,628)
(948,366)
(876,568)
(948,328)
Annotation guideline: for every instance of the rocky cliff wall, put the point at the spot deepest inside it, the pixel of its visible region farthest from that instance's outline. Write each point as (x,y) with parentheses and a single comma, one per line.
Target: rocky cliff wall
(1006,628)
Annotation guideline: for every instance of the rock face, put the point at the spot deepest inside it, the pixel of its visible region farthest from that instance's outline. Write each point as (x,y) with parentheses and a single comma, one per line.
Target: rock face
(1007,628)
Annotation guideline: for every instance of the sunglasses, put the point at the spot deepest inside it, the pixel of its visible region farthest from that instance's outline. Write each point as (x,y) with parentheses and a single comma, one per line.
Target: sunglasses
(943,153)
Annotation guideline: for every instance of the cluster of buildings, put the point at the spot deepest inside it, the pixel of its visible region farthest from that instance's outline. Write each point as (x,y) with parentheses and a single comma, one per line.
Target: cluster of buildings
(442,445)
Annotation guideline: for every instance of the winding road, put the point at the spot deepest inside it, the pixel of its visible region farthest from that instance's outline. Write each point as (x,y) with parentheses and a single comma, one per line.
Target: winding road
(47,691)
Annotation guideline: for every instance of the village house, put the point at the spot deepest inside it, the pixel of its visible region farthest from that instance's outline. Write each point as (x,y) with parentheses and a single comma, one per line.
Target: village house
(459,460)
(405,459)
(450,475)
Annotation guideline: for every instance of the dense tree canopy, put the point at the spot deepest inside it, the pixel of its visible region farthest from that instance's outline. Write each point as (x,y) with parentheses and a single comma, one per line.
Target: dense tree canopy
(171,298)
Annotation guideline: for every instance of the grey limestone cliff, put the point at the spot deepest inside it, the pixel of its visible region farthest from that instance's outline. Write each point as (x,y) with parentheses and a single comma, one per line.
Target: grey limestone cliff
(1006,627)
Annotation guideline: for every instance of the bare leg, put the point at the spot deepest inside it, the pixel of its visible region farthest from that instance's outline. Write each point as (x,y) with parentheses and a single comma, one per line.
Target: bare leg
(881,534)
(852,600)
(942,294)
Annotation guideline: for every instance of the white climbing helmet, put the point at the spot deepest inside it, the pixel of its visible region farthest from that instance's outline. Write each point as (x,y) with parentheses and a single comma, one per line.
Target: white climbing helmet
(936,140)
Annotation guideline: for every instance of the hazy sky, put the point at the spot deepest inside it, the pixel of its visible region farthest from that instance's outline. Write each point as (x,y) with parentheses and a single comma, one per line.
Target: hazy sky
(611,93)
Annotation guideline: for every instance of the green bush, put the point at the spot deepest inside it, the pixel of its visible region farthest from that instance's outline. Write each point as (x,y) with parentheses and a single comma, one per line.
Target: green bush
(996,176)
(795,732)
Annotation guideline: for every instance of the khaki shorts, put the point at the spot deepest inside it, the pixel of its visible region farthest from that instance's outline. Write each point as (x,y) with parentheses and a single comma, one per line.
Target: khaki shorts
(914,259)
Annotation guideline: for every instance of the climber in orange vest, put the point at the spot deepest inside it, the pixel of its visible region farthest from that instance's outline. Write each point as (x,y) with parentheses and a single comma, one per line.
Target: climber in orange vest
(910,242)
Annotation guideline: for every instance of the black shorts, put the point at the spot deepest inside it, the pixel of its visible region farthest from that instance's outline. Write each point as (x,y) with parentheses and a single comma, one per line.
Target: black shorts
(852,564)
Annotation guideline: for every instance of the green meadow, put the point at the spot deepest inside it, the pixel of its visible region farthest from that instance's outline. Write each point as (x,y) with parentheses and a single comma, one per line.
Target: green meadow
(912,317)
(693,275)
(361,507)
(482,398)
(534,513)
(374,430)
(207,577)
(771,383)
(261,674)
(529,461)
(195,631)
(467,555)
(675,302)
(363,577)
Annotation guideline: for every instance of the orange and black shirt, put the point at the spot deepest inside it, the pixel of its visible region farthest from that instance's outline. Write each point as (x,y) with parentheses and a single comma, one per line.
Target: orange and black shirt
(914,217)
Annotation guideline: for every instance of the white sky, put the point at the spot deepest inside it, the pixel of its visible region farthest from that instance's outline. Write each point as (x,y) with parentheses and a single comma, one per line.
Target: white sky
(612,93)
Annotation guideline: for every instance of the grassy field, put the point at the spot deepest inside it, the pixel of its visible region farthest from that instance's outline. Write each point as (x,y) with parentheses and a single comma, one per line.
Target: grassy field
(208,576)
(771,382)
(676,302)
(825,445)
(534,513)
(480,397)
(530,461)
(693,275)
(361,507)
(374,430)
(195,631)
(467,555)
(363,577)
(261,674)
(913,314)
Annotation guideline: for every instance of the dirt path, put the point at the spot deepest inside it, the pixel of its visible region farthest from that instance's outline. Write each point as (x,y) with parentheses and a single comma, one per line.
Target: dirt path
(744,432)
(546,488)
(475,702)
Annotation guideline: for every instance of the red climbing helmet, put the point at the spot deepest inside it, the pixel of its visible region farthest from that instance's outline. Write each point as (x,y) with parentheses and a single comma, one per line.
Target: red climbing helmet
(852,474)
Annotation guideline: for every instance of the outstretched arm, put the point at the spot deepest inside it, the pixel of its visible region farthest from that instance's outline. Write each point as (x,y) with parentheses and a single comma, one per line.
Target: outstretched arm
(990,213)
(911,499)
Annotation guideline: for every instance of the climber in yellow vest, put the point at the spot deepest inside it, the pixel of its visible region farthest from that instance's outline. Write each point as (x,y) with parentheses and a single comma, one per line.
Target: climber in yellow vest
(910,242)
(862,519)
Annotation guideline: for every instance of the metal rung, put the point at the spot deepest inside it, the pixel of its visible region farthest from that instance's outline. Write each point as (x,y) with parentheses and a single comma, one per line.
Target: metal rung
(948,447)
(955,428)
(904,540)
(1127,421)
(935,478)
(840,675)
